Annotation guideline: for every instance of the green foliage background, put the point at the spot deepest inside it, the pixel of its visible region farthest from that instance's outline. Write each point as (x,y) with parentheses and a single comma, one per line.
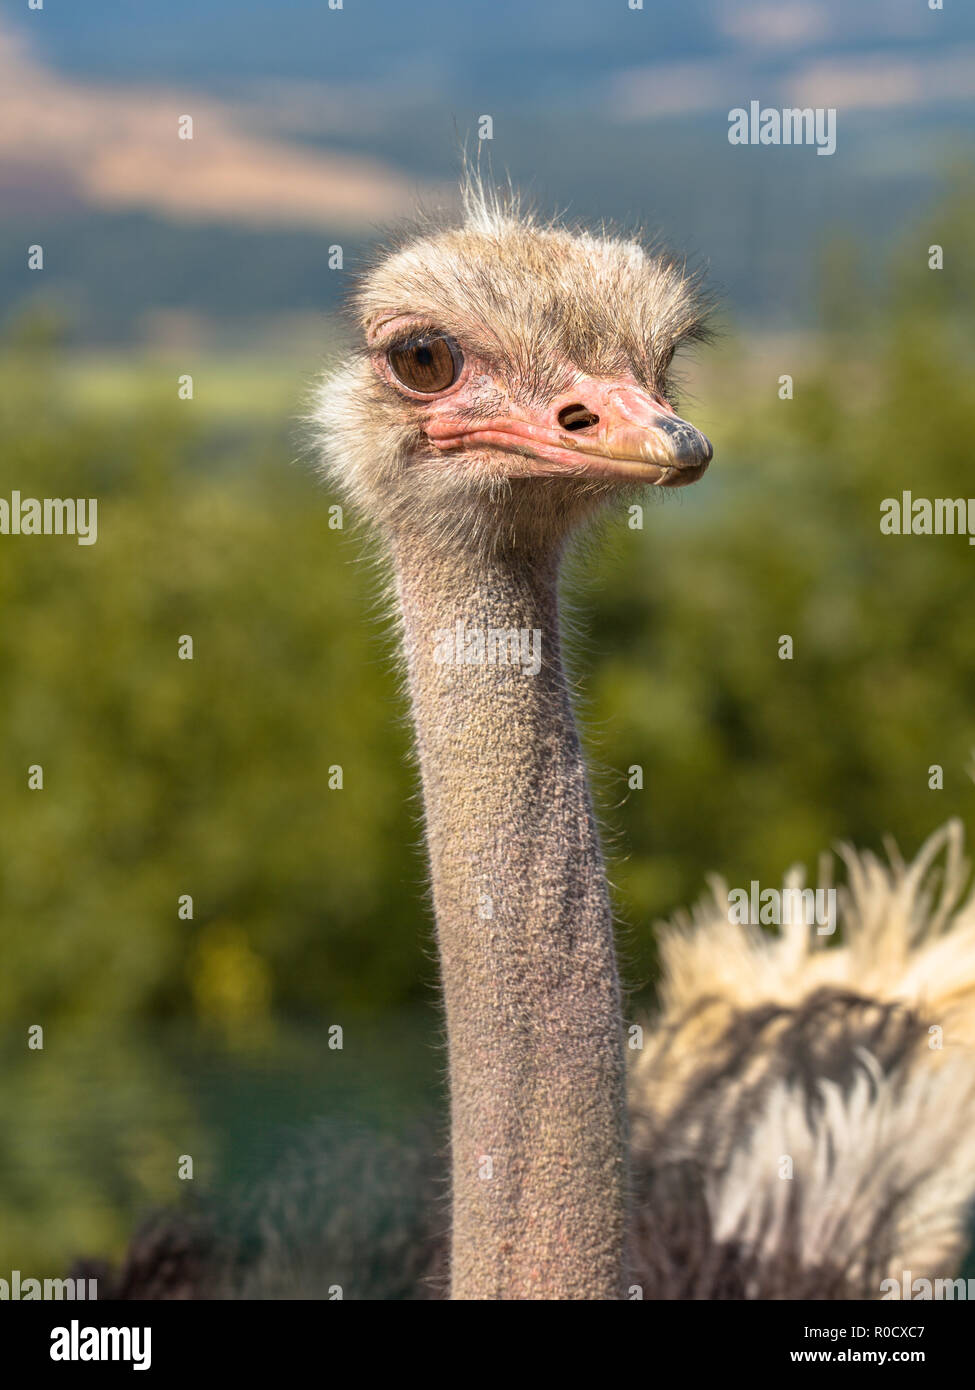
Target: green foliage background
(211,777)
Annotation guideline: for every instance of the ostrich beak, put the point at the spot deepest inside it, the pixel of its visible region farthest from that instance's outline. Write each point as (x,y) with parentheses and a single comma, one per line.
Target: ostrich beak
(627,426)
(607,429)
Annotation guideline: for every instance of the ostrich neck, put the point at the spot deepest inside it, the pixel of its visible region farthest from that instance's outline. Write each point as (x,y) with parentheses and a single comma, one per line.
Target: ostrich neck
(524,932)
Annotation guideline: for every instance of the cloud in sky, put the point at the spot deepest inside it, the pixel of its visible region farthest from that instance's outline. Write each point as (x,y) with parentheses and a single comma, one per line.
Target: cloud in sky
(787,24)
(886,79)
(855,81)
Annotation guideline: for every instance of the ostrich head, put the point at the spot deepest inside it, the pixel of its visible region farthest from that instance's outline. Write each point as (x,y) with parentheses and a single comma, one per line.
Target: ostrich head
(512,376)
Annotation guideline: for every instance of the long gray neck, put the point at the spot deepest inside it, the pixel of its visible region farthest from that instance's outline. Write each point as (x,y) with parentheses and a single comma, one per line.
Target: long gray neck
(524,932)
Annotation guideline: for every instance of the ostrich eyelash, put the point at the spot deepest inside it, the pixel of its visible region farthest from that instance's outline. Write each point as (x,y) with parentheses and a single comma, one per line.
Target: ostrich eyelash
(398,341)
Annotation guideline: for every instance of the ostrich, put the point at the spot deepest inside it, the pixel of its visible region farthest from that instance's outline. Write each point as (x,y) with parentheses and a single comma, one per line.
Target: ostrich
(513,382)
(787,1129)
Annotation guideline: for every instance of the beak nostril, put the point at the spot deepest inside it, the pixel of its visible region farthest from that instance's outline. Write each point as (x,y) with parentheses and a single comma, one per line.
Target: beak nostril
(577,417)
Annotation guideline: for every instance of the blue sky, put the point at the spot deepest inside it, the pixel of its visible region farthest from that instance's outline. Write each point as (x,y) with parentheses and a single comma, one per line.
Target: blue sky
(525,51)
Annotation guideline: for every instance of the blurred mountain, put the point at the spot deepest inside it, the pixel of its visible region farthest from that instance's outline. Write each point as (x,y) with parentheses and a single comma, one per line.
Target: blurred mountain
(119,146)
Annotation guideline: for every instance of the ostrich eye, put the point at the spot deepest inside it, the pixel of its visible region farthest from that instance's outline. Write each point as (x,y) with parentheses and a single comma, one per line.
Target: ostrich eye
(426,364)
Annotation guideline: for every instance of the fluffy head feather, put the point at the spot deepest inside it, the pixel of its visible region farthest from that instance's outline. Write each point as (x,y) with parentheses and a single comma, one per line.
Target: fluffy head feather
(535,307)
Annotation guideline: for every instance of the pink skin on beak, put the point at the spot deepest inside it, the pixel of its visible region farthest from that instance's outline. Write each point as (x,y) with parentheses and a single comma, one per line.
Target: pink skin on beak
(606,428)
(611,429)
